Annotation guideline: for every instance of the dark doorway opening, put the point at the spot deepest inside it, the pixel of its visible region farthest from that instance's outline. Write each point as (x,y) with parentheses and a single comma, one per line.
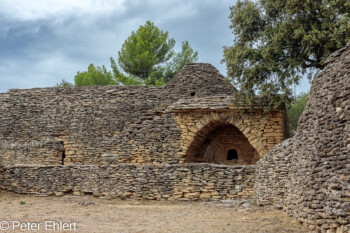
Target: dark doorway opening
(63,157)
(232,155)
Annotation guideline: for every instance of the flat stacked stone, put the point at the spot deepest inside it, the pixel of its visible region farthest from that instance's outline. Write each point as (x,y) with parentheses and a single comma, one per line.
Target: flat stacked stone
(317,187)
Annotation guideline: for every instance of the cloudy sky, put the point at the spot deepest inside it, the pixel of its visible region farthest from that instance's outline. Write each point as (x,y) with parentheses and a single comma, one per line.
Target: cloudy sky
(45,41)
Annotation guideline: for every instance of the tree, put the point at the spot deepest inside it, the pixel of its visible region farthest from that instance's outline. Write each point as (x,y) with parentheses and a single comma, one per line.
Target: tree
(277,42)
(179,60)
(146,57)
(295,110)
(144,49)
(64,83)
(101,76)
(94,76)
(187,55)
(122,78)
(148,54)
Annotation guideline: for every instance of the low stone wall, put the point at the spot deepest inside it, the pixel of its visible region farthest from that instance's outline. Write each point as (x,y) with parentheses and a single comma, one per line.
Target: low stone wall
(155,182)
(272,174)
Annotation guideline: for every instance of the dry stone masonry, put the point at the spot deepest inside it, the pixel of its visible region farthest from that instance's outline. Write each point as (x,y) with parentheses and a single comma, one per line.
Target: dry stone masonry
(152,182)
(309,175)
(185,141)
(141,142)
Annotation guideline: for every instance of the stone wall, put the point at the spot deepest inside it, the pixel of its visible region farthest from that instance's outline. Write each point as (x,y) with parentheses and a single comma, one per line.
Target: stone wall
(102,125)
(262,130)
(133,142)
(45,151)
(227,138)
(272,174)
(311,173)
(156,182)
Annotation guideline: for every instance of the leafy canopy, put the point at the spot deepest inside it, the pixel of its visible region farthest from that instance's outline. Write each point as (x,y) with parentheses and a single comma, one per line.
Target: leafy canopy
(146,58)
(176,64)
(148,54)
(145,48)
(295,110)
(64,83)
(123,79)
(276,42)
(101,76)
(94,76)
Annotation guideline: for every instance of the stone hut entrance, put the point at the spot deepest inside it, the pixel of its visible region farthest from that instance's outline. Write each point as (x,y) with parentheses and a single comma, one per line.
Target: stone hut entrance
(232,155)
(221,143)
(214,130)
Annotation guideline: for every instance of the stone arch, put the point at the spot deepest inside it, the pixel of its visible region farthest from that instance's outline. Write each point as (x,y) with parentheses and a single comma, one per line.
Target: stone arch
(196,132)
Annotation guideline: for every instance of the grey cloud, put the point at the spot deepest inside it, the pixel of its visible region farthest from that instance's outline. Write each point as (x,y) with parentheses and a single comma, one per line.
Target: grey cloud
(39,53)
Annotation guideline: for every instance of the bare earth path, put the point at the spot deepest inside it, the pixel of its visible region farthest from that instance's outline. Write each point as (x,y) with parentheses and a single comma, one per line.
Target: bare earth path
(101,215)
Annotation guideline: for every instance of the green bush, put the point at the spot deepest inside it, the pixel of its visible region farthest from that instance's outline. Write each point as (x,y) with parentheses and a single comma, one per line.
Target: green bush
(295,110)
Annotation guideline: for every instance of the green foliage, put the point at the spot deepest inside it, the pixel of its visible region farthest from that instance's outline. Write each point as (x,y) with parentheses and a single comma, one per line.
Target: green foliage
(148,54)
(144,49)
(122,78)
(277,42)
(295,110)
(177,63)
(64,83)
(22,202)
(100,76)
(152,81)
(94,76)
(146,57)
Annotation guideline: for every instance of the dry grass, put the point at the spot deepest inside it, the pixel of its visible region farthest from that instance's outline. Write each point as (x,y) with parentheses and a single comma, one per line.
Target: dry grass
(143,216)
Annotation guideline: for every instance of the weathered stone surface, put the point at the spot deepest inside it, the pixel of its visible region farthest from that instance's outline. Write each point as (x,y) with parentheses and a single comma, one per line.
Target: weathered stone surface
(130,122)
(253,127)
(104,125)
(131,181)
(134,142)
(309,175)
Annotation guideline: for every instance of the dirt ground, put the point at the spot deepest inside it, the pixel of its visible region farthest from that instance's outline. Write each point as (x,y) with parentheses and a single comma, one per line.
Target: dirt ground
(90,214)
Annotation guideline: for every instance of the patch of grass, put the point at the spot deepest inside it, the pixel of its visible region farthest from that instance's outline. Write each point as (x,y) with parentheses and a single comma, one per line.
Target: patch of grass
(22,202)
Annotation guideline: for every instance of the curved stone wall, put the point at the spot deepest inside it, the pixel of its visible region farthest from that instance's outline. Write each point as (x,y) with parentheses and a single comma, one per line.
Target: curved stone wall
(272,173)
(313,182)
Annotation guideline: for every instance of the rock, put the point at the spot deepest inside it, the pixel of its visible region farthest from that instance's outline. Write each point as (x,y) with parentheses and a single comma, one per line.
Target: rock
(246,205)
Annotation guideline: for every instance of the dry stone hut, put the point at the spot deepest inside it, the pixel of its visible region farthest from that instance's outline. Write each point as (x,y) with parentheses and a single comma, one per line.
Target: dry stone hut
(184,140)
(309,175)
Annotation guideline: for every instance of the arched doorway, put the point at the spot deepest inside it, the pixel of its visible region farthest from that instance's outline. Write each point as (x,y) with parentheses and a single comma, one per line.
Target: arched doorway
(221,143)
(232,155)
